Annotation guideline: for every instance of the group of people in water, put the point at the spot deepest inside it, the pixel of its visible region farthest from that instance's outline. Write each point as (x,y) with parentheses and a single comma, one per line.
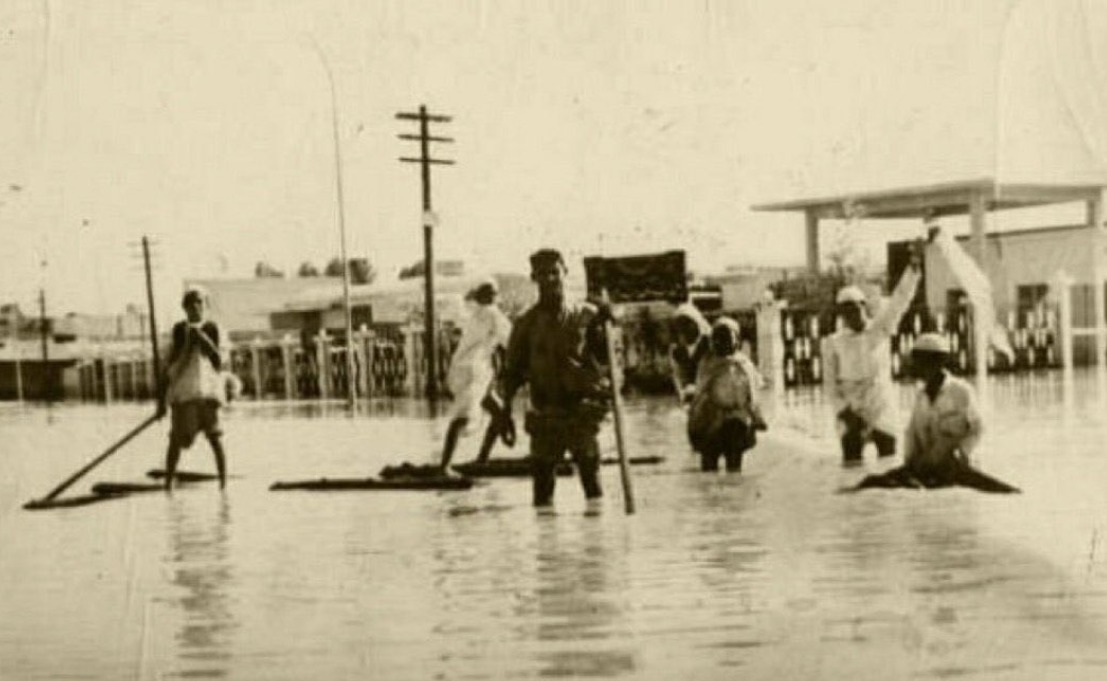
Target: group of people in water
(557,349)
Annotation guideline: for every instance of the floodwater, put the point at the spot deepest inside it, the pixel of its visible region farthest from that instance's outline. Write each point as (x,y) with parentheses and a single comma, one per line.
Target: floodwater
(767,575)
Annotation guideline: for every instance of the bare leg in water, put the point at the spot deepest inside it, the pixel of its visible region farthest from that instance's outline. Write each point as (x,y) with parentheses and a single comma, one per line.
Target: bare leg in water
(452,435)
(172,456)
(216,442)
(490,435)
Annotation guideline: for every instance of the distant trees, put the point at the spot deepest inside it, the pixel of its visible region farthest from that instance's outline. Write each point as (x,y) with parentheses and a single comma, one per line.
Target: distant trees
(442,268)
(361,270)
(264,270)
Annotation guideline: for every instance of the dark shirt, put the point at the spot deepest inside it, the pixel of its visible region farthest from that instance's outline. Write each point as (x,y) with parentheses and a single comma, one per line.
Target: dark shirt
(180,335)
(560,353)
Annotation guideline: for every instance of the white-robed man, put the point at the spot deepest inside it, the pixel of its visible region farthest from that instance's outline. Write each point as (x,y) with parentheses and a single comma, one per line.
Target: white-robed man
(944,429)
(857,367)
(472,371)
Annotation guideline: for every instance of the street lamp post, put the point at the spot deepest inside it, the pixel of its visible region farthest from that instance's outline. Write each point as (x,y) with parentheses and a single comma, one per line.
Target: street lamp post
(351,383)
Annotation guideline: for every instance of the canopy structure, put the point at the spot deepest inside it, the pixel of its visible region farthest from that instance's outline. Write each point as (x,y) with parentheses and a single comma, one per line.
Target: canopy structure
(975,198)
(972,197)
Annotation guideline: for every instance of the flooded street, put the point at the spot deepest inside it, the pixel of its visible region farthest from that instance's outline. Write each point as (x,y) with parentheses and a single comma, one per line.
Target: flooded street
(770,574)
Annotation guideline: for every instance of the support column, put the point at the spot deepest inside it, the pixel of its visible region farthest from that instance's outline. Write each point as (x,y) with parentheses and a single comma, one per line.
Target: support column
(981,327)
(812,241)
(1062,287)
(979,228)
(1095,225)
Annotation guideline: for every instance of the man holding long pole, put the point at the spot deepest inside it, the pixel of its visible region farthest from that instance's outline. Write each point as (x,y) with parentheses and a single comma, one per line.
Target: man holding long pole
(558,349)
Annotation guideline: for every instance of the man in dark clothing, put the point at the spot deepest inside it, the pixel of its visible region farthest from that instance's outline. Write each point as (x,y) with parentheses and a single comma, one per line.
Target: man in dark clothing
(558,349)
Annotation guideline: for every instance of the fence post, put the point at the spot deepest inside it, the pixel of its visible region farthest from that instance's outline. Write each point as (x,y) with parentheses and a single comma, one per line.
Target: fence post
(1062,286)
(255,367)
(412,357)
(287,364)
(770,344)
(132,370)
(109,388)
(358,345)
(370,361)
(323,362)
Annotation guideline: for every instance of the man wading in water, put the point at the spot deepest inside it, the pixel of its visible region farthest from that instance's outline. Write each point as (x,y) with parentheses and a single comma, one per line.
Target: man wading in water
(195,388)
(558,349)
(857,371)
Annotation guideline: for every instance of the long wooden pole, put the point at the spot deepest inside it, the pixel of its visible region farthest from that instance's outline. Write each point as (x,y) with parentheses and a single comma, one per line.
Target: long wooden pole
(45,501)
(617,408)
(150,420)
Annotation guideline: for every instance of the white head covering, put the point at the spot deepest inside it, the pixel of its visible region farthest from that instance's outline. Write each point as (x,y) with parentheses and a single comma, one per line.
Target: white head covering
(690,311)
(850,294)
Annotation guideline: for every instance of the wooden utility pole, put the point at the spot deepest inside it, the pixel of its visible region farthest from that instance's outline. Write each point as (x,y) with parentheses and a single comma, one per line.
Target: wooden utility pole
(47,384)
(425,161)
(159,389)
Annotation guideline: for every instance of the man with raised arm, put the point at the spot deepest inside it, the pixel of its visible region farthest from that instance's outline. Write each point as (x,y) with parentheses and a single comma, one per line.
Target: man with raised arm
(857,367)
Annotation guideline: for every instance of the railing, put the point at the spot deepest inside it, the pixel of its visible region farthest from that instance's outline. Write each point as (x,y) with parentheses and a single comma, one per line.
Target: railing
(392,363)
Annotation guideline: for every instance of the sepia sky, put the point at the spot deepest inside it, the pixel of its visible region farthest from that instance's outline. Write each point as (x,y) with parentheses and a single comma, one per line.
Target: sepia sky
(600,127)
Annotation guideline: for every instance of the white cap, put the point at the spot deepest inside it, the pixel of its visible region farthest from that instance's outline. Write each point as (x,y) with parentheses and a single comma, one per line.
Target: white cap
(850,294)
(932,343)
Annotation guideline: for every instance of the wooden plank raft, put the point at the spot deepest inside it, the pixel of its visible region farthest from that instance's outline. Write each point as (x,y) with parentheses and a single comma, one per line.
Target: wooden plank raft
(353,484)
(517,468)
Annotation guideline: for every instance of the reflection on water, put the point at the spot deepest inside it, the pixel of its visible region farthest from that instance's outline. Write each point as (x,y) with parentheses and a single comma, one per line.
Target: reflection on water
(577,609)
(768,574)
(200,563)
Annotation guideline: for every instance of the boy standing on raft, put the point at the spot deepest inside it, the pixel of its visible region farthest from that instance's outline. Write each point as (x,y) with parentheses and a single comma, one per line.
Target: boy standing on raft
(857,372)
(471,373)
(195,389)
(944,429)
(558,349)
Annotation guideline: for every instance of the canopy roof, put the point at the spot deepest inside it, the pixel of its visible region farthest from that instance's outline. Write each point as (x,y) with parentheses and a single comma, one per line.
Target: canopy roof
(938,200)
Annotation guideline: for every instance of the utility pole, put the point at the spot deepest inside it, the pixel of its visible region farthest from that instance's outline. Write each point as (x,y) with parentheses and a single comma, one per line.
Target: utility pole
(44,336)
(159,391)
(430,337)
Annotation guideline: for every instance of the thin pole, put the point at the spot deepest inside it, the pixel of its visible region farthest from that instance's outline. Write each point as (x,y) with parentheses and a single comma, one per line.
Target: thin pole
(158,388)
(617,409)
(93,464)
(430,337)
(351,388)
(46,387)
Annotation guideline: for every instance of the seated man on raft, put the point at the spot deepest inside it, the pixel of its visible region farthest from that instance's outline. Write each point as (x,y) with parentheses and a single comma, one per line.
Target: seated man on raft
(944,429)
